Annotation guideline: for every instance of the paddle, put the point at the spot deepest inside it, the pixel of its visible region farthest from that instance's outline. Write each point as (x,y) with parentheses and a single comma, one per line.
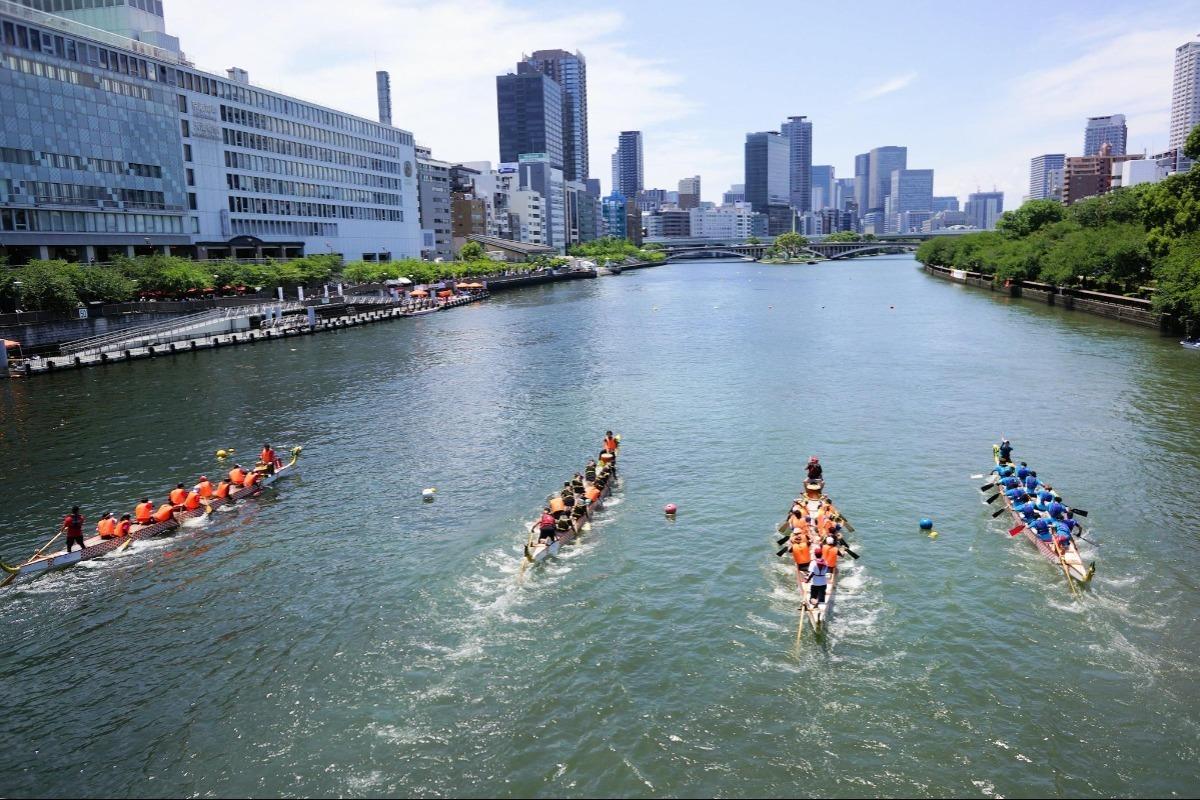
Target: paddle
(998,512)
(987,486)
(1079,511)
(992,499)
(1016,530)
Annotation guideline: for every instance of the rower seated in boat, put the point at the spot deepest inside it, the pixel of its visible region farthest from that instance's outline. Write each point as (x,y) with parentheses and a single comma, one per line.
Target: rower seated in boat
(577,484)
(165,513)
(607,459)
(123,527)
(178,495)
(556,506)
(563,524)
(829,552)
(106,528)
(237,475)
(567,494)
(1004,470)
(1056,509)
(589,472)
(1026,509)
(801,554)
(1023,471)
(223,490)
(1031,482)
(144,512)
(204,488)
(579,511)
(1017,495)
(1011,482)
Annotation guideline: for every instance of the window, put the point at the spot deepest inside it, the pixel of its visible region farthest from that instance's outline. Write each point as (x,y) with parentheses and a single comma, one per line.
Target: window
(191,177)
(183,105)
(192,200)
(187,152)
(187,129)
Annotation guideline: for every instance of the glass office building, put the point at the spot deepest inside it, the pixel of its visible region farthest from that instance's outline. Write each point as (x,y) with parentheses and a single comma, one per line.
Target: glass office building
(114,145)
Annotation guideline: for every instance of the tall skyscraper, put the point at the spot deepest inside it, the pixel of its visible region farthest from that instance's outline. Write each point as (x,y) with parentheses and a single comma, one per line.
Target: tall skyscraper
(822,187)
(1042,170)
(569,71)
(983,209)
(768,183)
(912,190)
(1185,93)
(862,181)
(689,193)
(1110,130)
(883,162)
(383,91)
(736,194)
(945,203)
(843,194)
(628,176)
(798,133)
(529,106)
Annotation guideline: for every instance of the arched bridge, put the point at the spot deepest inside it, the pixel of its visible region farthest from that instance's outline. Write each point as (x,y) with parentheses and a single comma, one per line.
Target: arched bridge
(826,250)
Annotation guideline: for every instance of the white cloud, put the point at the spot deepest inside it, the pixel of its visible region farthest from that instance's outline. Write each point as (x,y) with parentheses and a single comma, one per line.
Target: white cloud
(443,58)
(887,87)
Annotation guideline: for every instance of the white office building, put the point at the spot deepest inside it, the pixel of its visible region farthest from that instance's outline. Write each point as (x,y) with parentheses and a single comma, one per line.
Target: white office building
(1185,93)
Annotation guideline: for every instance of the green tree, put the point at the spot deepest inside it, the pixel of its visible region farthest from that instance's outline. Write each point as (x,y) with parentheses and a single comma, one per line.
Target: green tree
(843,236)
(1171,209)
(44,286)
(791,244)
(472,251)
(1115,255)
(1030,218)
(1116,207)
(1191,147)
(1178,279)
(753,240)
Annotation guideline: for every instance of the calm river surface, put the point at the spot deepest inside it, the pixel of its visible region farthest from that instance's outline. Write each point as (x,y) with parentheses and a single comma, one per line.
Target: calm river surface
(340,637)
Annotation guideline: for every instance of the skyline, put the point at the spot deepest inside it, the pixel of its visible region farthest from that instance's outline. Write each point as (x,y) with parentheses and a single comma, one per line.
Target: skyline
(648,71)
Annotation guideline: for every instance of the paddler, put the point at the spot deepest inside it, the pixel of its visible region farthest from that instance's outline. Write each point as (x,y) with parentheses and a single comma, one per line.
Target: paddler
(556,506)
(1056,509)
(204,488)
(144,512)
(563,524)
(1032,482)
(577,484)
(165,513)
(237,475)
(73,526)
(122,529)
(567,494)
(178,495)
(223,489)
(801,554)
(589,472)
(250,479)
(592,494)
(107,526)
(193,501)
(829,553)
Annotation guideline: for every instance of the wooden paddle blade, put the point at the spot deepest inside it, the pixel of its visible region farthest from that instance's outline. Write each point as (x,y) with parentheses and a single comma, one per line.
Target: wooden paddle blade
(783,526)
(783,550)
(1079,511)
(985,487)
(781,541)
(1016,530)
(846,524)
(851,553)
(992,498)
(998,512)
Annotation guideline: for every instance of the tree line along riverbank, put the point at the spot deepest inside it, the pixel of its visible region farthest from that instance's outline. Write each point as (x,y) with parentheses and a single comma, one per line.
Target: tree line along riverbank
(1137,242)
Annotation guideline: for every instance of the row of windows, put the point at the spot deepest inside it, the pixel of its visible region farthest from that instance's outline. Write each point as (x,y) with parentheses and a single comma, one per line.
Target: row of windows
(303,169)
(33,67)
(82,52)
(23,220)
(292,208)
(254,141)
(249,183)
(74,194)
(252,119)
(30,38)
(274,227)
(57,6)
(12,155)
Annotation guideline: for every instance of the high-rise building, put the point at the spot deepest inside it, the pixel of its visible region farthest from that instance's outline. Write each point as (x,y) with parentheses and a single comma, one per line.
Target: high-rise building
(736,194)
(1110,130)
(843,194)
(615,217)
(768,185)
(569,70)
(436,220)
(1087,176)
(110,141)
(798,133)
(945,203)
(983,209)
(689,193)
(383,92)
(1185,93)
(911,191)
(883,162)
(1042,175)
(823,187)
(862,181)
(539,174)
(628,177)
(529,108)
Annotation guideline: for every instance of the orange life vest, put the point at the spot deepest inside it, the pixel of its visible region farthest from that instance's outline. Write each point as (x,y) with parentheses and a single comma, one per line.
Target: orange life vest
(144,512)
(165,512)
(178,496)
(800,551)
(593,494)
(610,444)
(557,505)
(223,489)
(123,528)
(830,552)
(236,476)
(267,456)
(192,502)
(250,480)
(205,489)
(105,527)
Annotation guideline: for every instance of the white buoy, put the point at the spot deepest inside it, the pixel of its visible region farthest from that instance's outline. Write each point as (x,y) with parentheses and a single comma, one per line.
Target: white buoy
(428,495)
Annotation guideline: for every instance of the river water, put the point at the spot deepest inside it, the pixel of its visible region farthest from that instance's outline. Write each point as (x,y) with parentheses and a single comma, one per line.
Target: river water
(340,637)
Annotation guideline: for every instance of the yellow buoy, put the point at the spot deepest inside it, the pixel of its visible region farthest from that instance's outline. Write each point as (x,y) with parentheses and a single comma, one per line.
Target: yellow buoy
(222,454)
(933,534)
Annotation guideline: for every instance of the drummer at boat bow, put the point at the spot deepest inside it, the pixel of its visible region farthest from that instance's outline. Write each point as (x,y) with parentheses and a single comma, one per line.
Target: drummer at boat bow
(73,526)
(268,457)
(814,470)
(610,442)
(1005,449)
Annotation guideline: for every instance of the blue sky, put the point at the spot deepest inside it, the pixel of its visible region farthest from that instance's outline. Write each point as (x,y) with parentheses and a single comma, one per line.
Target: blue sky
(974,90)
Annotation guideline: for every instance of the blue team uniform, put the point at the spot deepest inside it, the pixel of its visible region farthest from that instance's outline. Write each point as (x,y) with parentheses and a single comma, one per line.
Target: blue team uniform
(1043,529)
(1031,484)
(1023,472)
(1027,511)
(1057,510)
(1010,482)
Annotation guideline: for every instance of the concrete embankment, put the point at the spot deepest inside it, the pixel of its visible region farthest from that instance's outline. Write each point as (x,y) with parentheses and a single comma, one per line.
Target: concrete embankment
(1113,306)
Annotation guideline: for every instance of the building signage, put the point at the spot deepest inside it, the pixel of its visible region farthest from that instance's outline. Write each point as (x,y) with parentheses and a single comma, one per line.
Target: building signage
(206,130)
(202,110)
(524,157)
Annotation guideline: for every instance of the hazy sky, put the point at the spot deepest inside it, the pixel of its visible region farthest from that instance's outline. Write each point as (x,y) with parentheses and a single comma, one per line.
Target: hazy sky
(973,89)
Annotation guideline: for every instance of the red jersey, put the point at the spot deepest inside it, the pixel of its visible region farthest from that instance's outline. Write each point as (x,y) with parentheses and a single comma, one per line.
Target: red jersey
(74,524)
